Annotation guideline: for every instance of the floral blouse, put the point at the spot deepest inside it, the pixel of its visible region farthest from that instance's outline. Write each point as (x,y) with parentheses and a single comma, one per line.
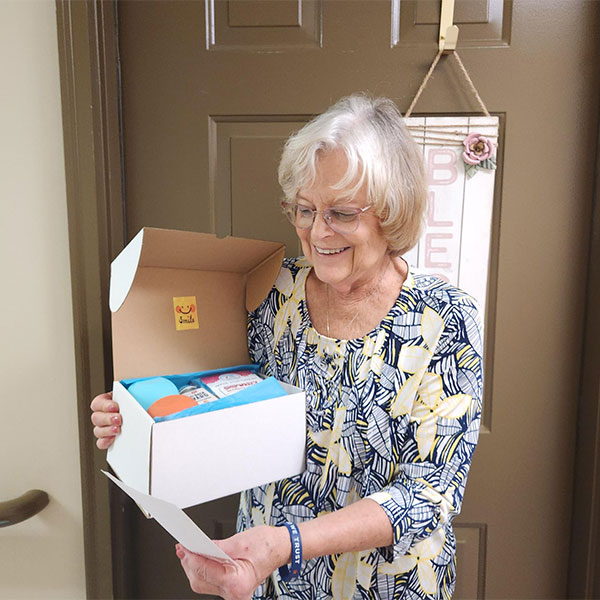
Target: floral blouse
(392,416)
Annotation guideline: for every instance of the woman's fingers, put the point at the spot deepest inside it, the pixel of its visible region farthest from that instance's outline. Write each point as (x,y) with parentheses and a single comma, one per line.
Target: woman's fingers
(104,403)
(104,443)
(205,576)
(106,419)
(99,400)
(108,431)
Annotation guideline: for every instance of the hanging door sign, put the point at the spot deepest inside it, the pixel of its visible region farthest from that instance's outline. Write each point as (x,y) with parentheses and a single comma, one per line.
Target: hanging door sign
(459,155)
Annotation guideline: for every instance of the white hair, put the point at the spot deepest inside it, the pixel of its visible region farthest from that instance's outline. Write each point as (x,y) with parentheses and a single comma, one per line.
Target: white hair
(381,153)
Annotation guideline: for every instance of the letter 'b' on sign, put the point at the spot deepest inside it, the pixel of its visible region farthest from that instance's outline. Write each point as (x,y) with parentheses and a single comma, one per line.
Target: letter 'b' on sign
(185,310)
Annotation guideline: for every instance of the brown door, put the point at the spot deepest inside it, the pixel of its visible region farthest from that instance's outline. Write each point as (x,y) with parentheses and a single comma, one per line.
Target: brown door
(211,89)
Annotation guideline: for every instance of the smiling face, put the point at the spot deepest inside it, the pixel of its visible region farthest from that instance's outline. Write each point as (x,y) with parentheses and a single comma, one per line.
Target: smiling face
(347,261)
(186,309)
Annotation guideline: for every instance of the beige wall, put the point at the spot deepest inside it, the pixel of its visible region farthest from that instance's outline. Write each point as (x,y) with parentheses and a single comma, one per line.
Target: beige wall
(41,557)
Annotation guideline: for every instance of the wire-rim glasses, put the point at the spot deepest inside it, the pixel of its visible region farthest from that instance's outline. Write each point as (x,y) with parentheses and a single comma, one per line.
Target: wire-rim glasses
(341,220)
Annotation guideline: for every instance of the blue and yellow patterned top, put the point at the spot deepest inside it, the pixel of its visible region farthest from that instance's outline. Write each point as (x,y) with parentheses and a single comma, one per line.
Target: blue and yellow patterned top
(393,416)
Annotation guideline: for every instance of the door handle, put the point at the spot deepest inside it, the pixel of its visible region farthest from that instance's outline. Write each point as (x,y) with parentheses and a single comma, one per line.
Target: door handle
(22,508)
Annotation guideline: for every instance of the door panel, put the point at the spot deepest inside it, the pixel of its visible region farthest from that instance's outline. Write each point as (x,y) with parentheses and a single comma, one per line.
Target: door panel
(210,91)
(260,24)
(243,160)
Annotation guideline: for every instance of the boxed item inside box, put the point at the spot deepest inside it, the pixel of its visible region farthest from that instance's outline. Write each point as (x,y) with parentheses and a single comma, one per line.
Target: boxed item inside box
(179,302)
(169,397)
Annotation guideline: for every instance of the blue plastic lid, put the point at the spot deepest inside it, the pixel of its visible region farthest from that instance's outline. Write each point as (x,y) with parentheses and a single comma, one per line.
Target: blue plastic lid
(148,391)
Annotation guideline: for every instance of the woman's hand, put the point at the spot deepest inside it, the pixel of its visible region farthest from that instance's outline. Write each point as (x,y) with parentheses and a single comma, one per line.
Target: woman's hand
(257,552)
(106,419)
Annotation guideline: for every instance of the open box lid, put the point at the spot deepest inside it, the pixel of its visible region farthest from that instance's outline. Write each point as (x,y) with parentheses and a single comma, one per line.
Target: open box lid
(179,300)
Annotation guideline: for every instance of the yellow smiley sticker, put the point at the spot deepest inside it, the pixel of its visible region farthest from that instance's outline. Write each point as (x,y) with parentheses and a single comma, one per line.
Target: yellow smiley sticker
(185,309)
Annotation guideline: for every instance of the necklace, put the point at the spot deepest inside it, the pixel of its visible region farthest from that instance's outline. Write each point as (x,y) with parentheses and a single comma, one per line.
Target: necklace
(373,290)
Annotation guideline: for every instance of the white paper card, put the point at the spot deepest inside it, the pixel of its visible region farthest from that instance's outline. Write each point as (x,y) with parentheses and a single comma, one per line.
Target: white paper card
(176,522)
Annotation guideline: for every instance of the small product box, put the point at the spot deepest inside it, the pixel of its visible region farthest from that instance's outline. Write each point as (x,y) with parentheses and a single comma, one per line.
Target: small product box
(179,303)
(225,384)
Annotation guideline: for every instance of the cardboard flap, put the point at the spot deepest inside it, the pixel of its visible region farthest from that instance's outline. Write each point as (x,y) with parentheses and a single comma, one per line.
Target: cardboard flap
(171,249)
(261,279)
(123,270)
(224,277)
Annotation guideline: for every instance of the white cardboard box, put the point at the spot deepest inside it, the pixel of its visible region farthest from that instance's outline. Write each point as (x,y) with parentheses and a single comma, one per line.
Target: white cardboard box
(196,459)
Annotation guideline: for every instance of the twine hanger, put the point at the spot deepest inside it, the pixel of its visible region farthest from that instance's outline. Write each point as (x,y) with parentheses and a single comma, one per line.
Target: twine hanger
(451,134)
(427,77)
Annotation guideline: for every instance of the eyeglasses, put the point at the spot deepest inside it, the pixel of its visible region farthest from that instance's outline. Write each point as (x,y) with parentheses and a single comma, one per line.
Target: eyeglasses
(341,220)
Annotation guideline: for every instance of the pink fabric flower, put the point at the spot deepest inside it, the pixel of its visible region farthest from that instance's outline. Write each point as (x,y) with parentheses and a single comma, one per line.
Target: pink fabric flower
(477,148)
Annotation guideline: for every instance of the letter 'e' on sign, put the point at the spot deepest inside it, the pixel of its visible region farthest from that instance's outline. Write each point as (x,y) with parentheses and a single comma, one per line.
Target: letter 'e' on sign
(185,309)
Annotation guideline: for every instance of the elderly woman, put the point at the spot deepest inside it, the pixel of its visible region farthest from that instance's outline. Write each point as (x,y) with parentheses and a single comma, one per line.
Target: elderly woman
(391,363)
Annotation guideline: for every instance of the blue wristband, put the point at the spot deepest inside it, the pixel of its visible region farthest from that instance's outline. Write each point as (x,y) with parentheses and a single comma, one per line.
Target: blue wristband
(286,572)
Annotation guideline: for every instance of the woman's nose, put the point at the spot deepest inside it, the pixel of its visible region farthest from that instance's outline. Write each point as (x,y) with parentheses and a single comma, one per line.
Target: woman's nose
(320,227)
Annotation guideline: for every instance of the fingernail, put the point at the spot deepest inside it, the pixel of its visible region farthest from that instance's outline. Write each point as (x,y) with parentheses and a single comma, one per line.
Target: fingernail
(113,408)
(115,419)
(115,429)
(180,554)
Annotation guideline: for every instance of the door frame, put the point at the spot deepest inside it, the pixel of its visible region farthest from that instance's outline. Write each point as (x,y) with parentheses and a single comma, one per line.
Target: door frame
(89,72)
(88,61)
(584,555)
